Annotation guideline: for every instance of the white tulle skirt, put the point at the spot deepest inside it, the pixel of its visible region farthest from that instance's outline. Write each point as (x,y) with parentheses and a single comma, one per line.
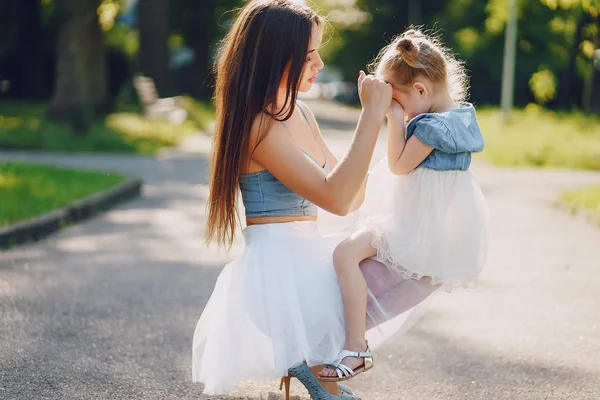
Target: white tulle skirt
(427,224)
(279,304)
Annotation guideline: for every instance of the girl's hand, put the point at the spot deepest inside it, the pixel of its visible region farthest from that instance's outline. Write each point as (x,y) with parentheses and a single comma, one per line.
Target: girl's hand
(395,111)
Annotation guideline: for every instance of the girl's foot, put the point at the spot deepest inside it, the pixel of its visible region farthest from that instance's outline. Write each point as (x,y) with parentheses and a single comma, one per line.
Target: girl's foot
(351,363)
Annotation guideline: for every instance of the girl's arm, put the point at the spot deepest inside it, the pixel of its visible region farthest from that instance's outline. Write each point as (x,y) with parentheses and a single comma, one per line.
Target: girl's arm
(403,155)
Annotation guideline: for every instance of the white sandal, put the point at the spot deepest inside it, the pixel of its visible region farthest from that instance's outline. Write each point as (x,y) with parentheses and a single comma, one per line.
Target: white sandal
(343,371)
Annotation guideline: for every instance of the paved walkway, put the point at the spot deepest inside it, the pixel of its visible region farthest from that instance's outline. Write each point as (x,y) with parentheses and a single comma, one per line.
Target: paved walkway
(106,309)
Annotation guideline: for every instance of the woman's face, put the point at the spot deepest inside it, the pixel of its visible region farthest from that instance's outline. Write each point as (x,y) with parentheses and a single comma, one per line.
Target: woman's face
(312,62)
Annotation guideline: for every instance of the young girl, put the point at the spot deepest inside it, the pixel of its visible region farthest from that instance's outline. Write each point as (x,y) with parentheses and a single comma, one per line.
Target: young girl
(423,215)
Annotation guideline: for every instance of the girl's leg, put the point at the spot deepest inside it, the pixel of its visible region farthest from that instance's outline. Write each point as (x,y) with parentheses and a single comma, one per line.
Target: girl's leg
(346,259)
(395,293)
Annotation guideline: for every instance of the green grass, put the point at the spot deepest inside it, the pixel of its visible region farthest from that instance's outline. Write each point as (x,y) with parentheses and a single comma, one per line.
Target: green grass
(23,126)
(541,138)
(587,199)
(29,190)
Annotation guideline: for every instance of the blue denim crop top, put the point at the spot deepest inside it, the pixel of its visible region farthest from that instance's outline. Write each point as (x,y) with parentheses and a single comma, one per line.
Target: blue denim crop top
(264,196)
(453,134)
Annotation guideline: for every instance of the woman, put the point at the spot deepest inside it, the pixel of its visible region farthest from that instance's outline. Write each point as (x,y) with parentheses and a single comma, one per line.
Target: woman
(278,303)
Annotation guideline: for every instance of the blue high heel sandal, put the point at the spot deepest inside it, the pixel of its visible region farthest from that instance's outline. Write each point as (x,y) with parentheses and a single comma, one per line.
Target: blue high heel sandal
(286,382)
(311,383)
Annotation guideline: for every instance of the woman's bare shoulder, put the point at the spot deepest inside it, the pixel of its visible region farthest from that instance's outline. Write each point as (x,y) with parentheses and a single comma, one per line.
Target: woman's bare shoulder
(262,126)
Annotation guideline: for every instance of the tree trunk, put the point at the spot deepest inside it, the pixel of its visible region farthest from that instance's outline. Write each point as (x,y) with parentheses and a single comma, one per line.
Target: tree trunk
(201,76)
(595,93)
(594,101)
(565,97)
(154,51)
(32,79)
(81,73)
(95,64)
(68,94)
(588,85)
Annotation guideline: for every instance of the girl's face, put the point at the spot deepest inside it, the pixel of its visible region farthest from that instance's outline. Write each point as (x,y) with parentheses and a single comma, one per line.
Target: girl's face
(312,63)
(415,99)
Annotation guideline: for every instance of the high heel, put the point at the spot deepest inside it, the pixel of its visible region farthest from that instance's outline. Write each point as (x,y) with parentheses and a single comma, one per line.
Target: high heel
(310,382)
(345,390)
(286,382)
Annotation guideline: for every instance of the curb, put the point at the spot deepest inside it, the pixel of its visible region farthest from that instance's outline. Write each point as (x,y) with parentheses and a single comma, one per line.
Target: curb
(39,227)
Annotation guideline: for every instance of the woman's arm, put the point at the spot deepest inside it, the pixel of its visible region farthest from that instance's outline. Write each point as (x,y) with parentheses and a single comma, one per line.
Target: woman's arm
(334,192)
(360,197)
(331,158)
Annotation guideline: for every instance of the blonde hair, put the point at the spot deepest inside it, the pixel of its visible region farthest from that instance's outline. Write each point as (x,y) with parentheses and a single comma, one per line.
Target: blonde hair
(414,54)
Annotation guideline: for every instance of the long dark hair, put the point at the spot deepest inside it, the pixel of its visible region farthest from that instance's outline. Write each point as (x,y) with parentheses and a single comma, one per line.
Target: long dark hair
(266,37)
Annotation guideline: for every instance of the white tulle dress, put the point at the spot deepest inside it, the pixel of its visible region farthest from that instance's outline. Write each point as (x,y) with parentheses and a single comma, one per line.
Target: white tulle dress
(433,221)
(278,304)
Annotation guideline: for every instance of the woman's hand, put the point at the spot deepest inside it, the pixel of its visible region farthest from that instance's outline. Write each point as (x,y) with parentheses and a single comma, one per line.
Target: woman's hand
(375,94)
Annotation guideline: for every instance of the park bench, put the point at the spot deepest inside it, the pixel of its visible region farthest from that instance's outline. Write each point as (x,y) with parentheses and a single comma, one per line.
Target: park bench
(156,108)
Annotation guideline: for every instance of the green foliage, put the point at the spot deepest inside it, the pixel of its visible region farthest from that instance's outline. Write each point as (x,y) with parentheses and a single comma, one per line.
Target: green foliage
(29,190)
(543,86)
(469,39)
(541,138)
(352,47)
(556,41)
(587,199)
(23,126)
(107,13)
(199,112)
(209,18)
(125,39)
(555,38)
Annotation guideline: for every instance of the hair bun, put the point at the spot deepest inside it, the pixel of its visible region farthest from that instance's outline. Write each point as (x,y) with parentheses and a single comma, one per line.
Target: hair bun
(408,50)
(413,33)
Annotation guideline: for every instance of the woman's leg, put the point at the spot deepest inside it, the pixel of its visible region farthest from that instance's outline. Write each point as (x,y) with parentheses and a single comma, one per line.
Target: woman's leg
(346,259)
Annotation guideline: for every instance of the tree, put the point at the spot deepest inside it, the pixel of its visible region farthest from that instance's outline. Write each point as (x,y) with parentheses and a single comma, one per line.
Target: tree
(553,45)
(154,35)
(354,46)
(30,51)
(582,17)
(23,49)
(202,24)
(81,77)
(555,42)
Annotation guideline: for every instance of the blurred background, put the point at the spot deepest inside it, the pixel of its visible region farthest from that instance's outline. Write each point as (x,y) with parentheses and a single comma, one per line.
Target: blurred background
(84,54)
(135,76)
(100,96)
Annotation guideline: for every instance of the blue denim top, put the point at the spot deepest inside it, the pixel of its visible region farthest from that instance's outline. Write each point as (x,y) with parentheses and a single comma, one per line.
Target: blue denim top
(264,196)
(453,134)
